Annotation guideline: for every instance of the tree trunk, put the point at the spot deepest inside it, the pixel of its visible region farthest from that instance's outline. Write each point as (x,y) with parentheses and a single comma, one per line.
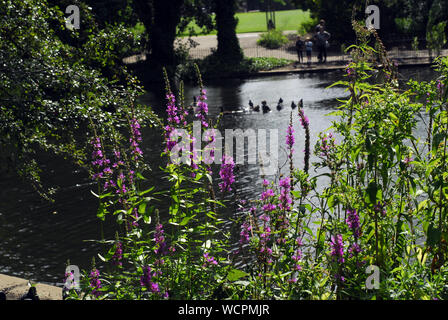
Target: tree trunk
(167,16)
(228,45)
(160,18)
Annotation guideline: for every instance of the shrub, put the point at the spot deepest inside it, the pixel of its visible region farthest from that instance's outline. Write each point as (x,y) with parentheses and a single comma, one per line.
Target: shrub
(272,40)
(307,27)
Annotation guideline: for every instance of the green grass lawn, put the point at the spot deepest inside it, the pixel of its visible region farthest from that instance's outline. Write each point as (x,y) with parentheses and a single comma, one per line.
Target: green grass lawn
(285,20)
(256,22)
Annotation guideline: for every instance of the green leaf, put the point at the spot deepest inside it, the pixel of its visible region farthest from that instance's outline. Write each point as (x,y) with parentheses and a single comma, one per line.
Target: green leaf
(236,274)
(142,208)
(101,213)
(186,220)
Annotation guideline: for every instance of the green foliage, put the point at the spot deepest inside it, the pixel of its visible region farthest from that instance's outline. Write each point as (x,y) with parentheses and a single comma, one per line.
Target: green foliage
(436,38)
(48,94)
(266,63)
(272,39)
(308,27)
(211,67)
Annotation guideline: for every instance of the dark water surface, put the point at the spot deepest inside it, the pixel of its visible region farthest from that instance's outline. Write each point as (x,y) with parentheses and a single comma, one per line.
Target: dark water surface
(37,237)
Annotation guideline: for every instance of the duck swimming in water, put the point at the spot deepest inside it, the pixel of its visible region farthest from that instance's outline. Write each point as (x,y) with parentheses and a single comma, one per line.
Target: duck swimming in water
(293,105)
(265,107)
(280,104)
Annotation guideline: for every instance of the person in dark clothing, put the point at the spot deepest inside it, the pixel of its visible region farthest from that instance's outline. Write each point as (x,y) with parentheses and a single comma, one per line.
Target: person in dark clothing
(299,48)
(322,38)
(321,24)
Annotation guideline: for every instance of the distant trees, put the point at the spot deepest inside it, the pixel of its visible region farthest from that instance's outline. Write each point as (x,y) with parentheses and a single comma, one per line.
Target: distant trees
(162,20)
(408,17)
(51,91)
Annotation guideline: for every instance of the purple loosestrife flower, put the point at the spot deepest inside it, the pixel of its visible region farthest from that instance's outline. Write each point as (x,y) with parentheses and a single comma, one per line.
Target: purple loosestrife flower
(146,280)
(353,222)
(193,156)
(171,109)
(136,217)
(173,120)
(135,139)
(202,108)
(118,255)
(246,228)
(209,150)
(95,282)
(290,138)
(69,280)
(226,173)
(380,208)
(265,235)
(285,199)
(266,195)
(297,255)
(159,239)
(326,144)
(305,122)
(99,160)
(407,160)
(350,71)
(354,249)
(337,247)
(268,207)
(209,260)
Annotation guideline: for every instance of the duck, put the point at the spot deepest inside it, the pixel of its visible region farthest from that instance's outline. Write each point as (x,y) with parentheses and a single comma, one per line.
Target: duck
(256,108)
(31,295)
(293,105)
(265,106)
(280,104)
(301,103)
(251,105)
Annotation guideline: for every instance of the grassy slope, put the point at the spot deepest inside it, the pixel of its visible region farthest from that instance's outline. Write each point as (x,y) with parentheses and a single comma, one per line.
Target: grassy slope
(256,21)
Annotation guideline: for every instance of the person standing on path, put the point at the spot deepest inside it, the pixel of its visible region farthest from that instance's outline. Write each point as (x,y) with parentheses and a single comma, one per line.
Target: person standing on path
(321,24)
(309,49)
(322,38)
(299,48)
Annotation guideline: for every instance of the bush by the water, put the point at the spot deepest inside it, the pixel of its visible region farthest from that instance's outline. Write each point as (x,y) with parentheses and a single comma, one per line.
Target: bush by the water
(212,67)
(272,40)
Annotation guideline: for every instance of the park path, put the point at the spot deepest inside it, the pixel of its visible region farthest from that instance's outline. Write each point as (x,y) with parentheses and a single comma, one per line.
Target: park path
(247,40)
(16,287)
(204,45)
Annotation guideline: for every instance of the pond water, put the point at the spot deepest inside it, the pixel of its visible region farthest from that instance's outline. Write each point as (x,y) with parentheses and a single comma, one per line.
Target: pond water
(37,238)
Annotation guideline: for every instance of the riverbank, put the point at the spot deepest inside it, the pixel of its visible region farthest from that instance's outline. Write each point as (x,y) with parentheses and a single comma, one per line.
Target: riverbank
(15,288)
(248,42)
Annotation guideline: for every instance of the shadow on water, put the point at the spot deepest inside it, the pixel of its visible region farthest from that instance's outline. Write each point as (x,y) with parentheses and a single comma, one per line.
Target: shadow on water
(37,237)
